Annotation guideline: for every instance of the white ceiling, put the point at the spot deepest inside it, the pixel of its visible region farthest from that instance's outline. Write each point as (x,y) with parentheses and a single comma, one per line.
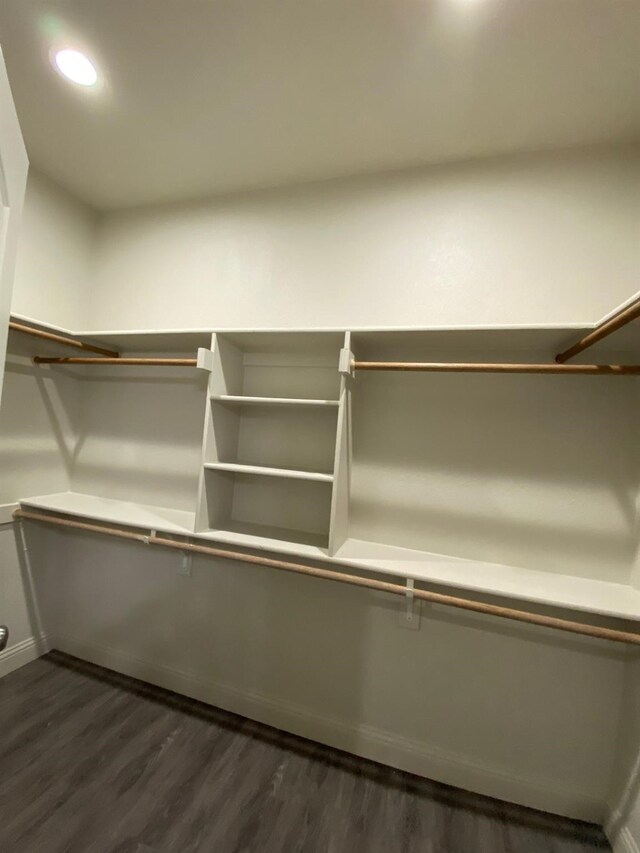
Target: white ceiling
(206,96)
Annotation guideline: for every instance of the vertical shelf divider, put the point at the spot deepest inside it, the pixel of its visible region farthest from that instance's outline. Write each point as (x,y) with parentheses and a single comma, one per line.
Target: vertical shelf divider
(220,436)
(339,518)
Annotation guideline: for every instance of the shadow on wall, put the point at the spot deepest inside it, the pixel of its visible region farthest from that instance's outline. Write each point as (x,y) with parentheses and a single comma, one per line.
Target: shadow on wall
(39,421)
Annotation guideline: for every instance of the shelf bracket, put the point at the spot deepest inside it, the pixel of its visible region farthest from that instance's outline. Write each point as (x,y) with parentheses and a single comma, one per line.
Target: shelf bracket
(345,365)
(204,359)
(185,565)
(410,608)
(152,535)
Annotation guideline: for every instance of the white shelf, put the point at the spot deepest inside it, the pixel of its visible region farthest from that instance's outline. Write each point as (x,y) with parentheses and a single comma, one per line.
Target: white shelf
(517,584)
(115,512)
(540,587)
(262,537)
(272,401)
(290,473)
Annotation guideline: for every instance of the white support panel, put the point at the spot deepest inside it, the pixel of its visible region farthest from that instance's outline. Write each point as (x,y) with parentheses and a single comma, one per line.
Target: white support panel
(339,520)
(220,435)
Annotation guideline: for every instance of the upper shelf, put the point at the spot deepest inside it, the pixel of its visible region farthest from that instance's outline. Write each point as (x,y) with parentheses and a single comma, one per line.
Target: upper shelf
(534,342)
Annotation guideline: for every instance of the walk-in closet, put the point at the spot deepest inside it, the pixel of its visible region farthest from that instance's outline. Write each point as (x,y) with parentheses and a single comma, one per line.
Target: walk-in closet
(319,470)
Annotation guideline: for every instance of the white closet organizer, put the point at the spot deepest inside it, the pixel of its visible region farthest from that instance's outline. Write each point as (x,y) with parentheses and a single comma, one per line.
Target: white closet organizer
(270,439)
(521,486)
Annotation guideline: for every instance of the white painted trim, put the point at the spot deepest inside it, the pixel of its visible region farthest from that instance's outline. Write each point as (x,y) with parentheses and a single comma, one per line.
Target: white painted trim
(366,741)
(633,298)
(6,513)
(624,842)
(13,657)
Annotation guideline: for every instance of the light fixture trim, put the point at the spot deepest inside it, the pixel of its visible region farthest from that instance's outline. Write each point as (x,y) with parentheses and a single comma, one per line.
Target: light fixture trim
(75,66)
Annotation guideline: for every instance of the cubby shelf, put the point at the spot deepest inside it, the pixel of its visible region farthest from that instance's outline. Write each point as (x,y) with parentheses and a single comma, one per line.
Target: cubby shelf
(272,401)
(291,473)
(265,537)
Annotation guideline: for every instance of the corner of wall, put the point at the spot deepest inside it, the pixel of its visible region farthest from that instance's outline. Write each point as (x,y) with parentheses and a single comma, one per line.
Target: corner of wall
(55,255)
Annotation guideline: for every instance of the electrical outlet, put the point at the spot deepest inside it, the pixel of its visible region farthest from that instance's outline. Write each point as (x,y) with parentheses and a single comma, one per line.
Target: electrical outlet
(185,565)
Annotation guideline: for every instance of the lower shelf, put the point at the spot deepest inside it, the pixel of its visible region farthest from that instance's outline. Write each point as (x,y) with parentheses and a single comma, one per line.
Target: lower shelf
(568,591)
(516,584)
(116,512)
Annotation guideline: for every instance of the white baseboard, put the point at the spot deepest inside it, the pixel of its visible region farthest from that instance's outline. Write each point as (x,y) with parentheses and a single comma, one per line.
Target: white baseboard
(620,836)
(624,842)
(13,657)
(368,742)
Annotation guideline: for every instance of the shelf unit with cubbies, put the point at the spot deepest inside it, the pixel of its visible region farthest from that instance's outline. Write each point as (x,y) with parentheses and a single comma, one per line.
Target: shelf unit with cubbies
(271,438)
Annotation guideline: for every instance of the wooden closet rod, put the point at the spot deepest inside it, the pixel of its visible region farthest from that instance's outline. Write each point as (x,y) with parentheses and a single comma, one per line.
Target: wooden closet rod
(475,367)
(145,362)
(60,339)
(603,330)
(327,574)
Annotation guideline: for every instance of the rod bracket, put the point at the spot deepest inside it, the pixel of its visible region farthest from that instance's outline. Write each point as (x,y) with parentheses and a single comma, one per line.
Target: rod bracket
(345,365)
(204,359)
(147,539)
(410,608)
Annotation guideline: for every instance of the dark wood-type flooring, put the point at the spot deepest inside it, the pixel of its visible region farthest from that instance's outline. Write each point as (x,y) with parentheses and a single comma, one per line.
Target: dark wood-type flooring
(94,762)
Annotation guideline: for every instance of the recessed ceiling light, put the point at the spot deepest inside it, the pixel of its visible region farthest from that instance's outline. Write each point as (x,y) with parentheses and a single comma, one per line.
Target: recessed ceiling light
(76,67)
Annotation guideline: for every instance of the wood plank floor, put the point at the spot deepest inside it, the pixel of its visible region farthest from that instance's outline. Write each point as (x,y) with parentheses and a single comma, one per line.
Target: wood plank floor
(94,762)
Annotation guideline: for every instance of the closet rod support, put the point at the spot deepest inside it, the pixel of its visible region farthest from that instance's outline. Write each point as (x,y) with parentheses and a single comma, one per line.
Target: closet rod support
(410,613)
(554,622)
(603,330)
(60,339)
(346,362)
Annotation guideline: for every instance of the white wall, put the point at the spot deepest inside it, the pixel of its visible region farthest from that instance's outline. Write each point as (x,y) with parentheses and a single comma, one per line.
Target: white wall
(39,416)
(550,239)
(55,256)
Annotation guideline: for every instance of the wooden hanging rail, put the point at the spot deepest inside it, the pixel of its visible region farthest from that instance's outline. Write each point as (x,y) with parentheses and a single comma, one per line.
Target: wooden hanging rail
(144,362)
(603,330)
(340,577)
(60,339)
(476,367)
